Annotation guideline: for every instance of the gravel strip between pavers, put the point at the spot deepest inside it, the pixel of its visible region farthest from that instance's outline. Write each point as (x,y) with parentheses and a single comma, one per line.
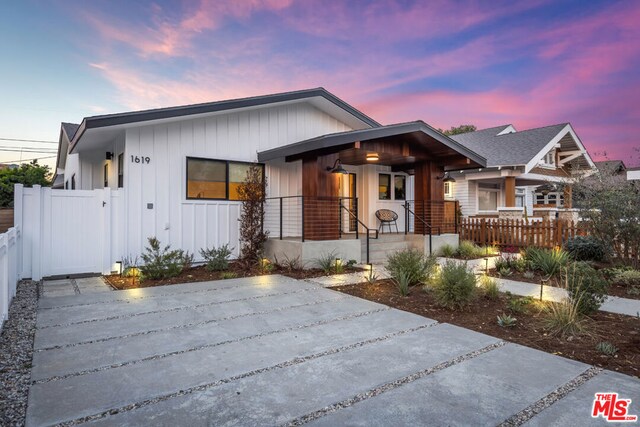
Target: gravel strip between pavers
(531,411)
(292,362)
(16,352)
(391,385)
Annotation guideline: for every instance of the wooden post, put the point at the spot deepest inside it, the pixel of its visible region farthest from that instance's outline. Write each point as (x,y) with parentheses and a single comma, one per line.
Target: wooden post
(568,197)
(510,191)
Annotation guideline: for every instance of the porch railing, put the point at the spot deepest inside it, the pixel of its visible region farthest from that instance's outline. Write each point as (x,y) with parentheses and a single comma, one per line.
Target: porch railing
(431,217)
(303,218)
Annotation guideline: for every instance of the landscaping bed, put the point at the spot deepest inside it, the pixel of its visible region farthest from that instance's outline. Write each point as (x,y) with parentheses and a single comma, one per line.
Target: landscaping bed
(481,316)
(201,274)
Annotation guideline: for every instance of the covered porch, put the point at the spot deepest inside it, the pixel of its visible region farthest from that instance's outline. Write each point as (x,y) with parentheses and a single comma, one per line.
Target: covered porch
(345,178)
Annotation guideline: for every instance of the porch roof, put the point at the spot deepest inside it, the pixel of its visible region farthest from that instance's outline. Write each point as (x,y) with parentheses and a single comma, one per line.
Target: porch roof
(419,135)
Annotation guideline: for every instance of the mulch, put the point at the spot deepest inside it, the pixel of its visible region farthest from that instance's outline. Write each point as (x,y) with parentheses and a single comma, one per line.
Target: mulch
(481,316)
(201,274)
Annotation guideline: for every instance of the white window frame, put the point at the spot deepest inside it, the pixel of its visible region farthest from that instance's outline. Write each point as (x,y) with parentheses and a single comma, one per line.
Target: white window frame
(448,190)
(549,160)
(494,190)
(393,186)
(521,193)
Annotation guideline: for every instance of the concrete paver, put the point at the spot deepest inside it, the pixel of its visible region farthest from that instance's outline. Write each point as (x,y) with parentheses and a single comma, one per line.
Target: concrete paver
(271,350)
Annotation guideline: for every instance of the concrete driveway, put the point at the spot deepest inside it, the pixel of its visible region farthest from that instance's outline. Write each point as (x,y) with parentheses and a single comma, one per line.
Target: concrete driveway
(272,351)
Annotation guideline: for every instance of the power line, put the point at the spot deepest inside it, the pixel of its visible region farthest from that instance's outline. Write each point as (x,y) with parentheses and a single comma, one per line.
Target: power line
(27,160)
(26,150)
(28,140)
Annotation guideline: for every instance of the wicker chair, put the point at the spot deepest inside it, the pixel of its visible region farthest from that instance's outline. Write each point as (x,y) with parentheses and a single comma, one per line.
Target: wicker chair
(388,217)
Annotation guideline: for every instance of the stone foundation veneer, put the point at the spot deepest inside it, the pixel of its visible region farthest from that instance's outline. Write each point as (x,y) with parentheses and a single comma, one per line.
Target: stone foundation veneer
(510,213)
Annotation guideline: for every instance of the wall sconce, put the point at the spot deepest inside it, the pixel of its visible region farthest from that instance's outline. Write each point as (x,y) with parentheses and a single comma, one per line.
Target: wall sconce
(446,178)
(337,168)
(109,155)
(373,157)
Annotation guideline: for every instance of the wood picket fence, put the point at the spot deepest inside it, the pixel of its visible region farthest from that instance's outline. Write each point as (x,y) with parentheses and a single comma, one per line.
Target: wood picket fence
(519,232)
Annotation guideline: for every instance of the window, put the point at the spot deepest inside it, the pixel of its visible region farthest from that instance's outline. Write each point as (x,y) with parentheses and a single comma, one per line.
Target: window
(73,181)
(448,190)
(106,175)
(120,170)
(520,196)
(549,159)
(216,179)
(487,200)
(399,187)
(384,186)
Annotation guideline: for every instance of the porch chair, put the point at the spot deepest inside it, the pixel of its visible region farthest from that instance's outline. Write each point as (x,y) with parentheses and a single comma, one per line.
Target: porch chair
(387,216)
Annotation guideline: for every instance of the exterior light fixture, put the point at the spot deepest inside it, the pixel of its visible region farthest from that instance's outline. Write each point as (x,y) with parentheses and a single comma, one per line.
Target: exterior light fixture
(546,189)
(446,178)
(109,155)
(338,262)
(337,168)
(372,157)
(119,264)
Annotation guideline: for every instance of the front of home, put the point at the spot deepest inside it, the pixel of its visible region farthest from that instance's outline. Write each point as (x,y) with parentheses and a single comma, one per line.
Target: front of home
(332,174)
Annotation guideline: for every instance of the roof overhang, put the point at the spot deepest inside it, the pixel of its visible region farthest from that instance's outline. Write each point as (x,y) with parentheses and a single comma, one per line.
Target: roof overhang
(418,134)
(567,141)
(96,130)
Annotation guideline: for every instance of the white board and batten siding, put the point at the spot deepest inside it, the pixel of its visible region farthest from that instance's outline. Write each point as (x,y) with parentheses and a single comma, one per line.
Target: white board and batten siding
(195,224)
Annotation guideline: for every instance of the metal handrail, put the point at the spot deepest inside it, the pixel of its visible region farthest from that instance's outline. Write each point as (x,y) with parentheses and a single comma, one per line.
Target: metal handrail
(363,225)
(407,211)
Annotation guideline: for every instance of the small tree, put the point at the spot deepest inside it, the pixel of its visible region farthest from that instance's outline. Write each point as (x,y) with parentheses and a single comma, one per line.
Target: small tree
(27,174)
(455,130)
(252,236)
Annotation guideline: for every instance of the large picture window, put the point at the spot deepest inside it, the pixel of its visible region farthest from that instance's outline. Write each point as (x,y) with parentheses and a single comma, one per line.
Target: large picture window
(216,179)
(384,186)
(487,200)
(400,187)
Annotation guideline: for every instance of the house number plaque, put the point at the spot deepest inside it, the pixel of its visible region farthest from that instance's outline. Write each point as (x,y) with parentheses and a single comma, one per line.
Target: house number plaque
(138,159)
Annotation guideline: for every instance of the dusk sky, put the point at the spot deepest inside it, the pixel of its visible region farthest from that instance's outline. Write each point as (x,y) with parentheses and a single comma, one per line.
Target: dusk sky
(530,63)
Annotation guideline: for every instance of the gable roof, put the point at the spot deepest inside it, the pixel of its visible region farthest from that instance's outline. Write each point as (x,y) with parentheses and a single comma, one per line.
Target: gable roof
(510,149)
(212,107)
(336,139)
(70,129)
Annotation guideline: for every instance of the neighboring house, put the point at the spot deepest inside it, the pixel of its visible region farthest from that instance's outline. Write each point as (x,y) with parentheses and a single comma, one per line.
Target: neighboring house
(614,167)
(633,174)
(523,168)
(177,170)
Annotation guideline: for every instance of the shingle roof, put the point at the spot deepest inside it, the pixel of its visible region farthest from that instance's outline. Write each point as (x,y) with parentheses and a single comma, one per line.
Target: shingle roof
(70,129)
(613,165)
(510,149)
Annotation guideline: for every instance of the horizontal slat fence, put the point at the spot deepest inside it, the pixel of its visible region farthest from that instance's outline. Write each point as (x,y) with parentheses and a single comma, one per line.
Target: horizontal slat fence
(519,232)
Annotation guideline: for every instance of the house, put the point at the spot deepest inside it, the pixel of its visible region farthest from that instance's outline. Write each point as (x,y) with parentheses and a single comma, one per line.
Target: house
(328,166)
(633,174)
(614,167)
(522,174)
(332,173)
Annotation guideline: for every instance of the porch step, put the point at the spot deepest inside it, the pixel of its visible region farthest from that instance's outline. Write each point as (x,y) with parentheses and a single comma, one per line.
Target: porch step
(380,249)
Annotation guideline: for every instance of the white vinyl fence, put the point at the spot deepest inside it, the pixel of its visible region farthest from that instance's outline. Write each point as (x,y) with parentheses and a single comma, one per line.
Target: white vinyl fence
(67,232)
(10,266)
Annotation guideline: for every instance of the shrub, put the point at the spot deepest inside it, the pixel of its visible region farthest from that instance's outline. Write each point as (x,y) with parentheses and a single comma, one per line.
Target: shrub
(528,275)
(217,259)
(252,235)
(351,263)
(402,281)
(563,318)
(586,248)
(290,264)
(161,263)
(490,287)
(628,278)
(606,348)
(326,262)
(520,305)
(502,262)
(468,250)
(413,263)
(187,260)
(447,251)
(505,272)
(549,261)
(585,287)
(506,321)
(228,275)
(455,286)
(371,277)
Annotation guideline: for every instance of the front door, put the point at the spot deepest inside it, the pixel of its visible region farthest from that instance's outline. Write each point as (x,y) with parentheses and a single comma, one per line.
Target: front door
(348,186)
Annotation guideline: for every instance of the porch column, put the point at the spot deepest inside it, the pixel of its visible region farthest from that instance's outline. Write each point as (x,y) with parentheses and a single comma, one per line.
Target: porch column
(429,188)
(510,192)
(320,195)
(568,197)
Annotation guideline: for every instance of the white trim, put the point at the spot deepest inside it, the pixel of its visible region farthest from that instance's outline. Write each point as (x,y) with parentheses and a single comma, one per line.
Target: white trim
(551,144)
(509,129)
(545,178)
(568,156)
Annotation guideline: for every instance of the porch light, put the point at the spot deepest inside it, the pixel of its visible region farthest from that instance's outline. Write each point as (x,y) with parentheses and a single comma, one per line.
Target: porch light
(338,262)
(372,157)
(446,178)
(337,168)
(546,189)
